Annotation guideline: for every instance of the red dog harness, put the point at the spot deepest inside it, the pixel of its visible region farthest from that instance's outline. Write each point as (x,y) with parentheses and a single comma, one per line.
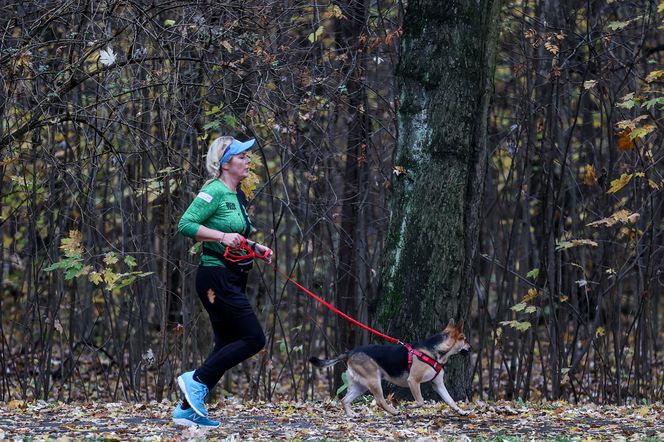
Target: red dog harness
(437,366)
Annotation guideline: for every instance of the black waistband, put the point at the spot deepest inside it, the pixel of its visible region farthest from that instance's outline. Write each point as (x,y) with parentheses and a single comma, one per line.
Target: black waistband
(241,266)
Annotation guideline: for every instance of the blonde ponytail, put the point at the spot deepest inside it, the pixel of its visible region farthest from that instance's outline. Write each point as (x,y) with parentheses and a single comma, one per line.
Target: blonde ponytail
(213,157)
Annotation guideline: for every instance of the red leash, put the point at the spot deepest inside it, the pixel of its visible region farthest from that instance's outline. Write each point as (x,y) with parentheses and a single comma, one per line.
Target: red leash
(232,255)
(250,253)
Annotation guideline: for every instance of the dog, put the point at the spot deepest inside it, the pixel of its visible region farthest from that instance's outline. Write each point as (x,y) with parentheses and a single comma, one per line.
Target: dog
(368,365)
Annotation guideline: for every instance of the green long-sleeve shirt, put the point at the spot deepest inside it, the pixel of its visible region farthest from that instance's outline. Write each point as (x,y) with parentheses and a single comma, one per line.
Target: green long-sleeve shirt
(216,207)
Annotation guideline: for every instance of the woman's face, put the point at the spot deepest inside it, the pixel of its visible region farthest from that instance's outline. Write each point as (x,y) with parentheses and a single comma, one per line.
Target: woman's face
(238,166)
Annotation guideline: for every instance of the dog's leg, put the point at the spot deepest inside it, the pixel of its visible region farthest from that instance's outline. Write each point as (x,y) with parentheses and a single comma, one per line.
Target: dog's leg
(414,385)
(439,386)
(377,390)
(354,390)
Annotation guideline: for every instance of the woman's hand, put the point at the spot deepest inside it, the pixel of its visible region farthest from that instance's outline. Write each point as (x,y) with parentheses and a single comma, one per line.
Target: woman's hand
(265,252)
(231,239)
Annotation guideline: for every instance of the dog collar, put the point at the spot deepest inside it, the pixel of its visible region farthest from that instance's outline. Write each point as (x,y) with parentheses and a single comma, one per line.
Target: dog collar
(437,366)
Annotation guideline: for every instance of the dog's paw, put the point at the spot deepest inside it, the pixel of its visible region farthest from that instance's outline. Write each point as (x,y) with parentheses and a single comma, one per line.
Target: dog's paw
(462,412)
(414,405)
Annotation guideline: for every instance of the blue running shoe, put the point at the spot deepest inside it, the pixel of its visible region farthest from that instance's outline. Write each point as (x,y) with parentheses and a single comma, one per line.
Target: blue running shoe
(188,418)
(194,391)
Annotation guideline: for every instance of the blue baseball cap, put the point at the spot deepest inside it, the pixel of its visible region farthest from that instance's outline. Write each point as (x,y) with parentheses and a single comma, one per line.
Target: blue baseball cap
(236,147)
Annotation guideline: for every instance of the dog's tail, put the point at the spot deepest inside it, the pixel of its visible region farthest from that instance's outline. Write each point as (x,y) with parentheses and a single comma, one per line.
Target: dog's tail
(320,363)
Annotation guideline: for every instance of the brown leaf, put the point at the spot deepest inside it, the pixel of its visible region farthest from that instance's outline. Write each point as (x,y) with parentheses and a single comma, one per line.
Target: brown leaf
(211,296)
(624,141)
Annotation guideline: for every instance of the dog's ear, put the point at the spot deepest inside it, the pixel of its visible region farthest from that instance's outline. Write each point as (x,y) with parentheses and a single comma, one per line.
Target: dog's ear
(460,326)
(450,323)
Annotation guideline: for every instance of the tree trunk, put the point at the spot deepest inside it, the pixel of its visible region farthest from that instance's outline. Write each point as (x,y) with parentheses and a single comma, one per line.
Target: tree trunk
(445,78)
(348,290)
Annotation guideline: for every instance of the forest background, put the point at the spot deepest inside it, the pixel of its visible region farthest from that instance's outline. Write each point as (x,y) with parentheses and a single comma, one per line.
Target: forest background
(106,112)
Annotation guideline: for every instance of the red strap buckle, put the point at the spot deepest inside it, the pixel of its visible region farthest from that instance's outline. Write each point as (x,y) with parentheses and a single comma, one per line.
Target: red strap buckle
(233,253)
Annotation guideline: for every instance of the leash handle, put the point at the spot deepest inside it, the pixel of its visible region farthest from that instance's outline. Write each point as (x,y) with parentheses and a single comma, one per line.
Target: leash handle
(232,253)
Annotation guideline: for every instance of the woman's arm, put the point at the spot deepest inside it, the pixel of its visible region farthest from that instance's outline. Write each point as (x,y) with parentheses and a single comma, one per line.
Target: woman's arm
(211,235)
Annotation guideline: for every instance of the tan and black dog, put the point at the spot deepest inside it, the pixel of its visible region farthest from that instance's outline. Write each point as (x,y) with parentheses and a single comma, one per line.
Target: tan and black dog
(368,365)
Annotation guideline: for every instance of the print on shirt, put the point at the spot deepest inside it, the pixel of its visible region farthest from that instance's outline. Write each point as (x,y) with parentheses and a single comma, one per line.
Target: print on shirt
(205,197)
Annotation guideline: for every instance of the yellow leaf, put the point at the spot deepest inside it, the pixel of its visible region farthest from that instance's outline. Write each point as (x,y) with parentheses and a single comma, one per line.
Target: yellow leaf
(619,216)
(95,278)
(642,131)
(532,294)
(315,36)
(621,182)
(249,184)
(72,245)
(399,170)
(588,175)
(600,332)
(110,277)
(654,75)
(333,11)
(17,405)
(110,258)
(643,411)
(630,124)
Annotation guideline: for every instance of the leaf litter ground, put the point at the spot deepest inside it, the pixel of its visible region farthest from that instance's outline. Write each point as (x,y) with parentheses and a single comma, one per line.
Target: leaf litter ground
(500,421)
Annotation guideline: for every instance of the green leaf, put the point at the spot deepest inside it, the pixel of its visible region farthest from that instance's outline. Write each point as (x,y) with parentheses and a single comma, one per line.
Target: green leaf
(196,248)
(520,306)
(169,22)
(533,274)
(282,347)
(650,103)
(562,245)
(126,280)
(56,265)
(531,309)
(344,386)
(130,261)
(627,104)
(618,25)
(520,326)
(212,125)
(76,271)
(214,110)
(230,120)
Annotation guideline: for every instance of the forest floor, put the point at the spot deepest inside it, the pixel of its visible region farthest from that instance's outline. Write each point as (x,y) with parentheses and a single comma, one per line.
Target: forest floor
(497,421)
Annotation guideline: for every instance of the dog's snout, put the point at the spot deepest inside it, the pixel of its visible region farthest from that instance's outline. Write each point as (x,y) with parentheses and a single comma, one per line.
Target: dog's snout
(467,349)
